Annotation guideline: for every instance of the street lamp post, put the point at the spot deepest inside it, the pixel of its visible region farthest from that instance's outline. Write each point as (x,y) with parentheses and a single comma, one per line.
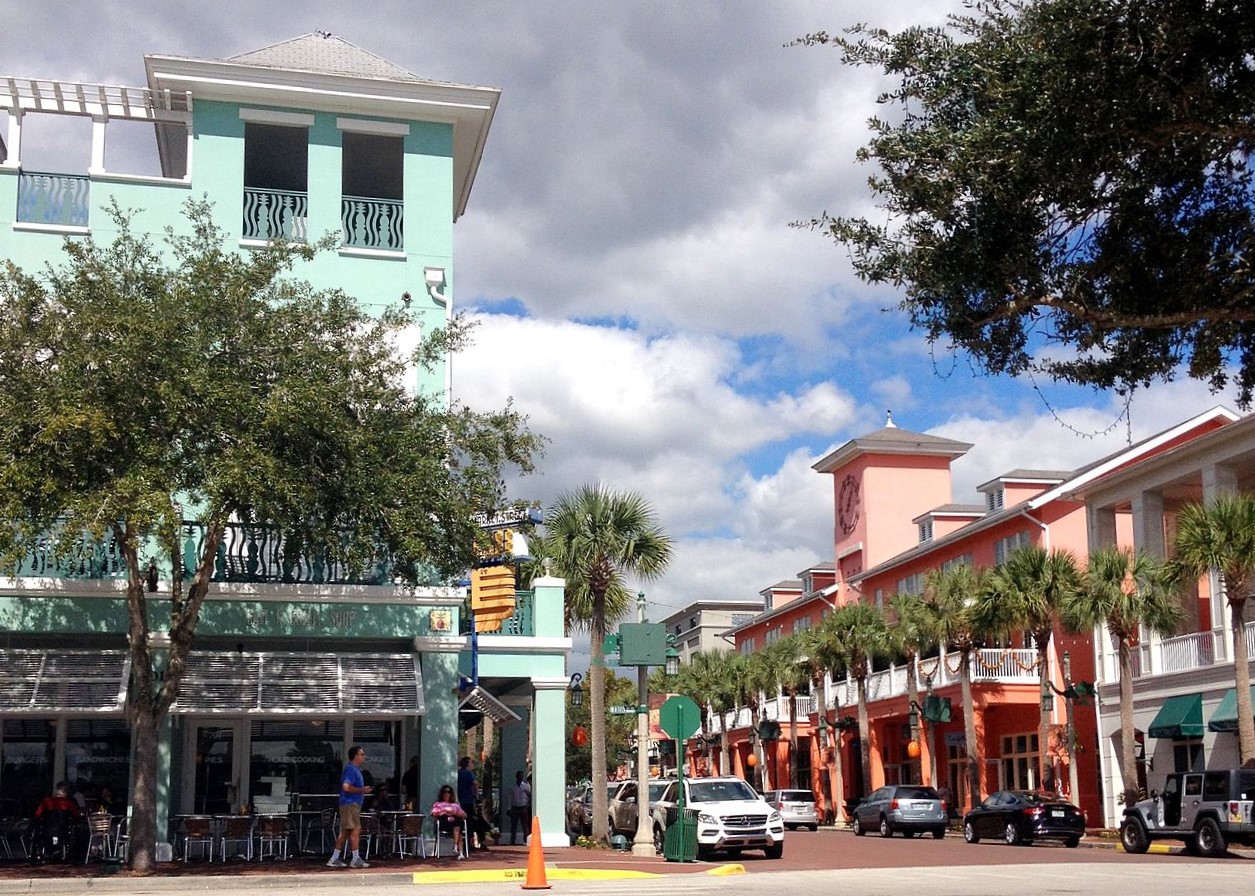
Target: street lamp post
(643,843)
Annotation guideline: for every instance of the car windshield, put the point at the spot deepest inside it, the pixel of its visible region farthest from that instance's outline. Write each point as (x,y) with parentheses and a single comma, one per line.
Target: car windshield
(655,790)
(718,791)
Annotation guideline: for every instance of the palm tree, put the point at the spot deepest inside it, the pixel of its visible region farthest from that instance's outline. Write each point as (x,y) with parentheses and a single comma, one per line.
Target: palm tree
(594,536)
(787,660)
(704,680)
(1124,592)
(952,594)
(825,660)
(913,631)
(1024,593)
(748,678)
(858,634)
(1221,536)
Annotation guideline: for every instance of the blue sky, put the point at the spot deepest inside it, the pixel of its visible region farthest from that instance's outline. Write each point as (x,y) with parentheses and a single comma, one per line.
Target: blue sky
(628,254)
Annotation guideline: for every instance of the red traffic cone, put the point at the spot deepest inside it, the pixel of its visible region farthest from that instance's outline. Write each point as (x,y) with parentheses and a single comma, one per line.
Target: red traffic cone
(535,860)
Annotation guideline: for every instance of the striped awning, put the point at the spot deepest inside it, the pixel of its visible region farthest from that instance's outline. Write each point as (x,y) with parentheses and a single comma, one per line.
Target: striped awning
(79,682)
(270,684)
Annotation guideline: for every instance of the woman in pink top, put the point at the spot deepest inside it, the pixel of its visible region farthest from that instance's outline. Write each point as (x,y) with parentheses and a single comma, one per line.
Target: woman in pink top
(449,816)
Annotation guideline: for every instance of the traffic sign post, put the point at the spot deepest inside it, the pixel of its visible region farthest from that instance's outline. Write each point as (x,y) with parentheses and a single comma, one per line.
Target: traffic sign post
(680,718)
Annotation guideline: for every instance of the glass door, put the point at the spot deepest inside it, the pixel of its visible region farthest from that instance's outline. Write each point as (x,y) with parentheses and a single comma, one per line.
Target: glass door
(215,768)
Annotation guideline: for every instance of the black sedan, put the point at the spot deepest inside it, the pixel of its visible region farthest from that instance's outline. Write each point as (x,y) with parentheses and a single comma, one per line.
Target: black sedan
(1022,816)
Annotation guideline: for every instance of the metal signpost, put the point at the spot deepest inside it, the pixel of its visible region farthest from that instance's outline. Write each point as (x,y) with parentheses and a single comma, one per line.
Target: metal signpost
(680,718)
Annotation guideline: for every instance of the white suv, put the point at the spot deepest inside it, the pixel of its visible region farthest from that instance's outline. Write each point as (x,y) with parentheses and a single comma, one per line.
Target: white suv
(730,816)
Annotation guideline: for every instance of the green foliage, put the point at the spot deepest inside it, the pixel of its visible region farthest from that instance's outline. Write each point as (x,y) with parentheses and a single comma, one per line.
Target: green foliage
(1068,173)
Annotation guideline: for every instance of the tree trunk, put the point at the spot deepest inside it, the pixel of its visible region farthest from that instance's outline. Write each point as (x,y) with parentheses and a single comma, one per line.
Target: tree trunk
(1045,768)
(1128,761)
(864,734)
(793,740)
(1242,678)
(973,747)
(597,721)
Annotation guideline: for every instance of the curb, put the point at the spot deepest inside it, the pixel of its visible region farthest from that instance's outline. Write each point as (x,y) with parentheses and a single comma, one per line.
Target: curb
(506,875)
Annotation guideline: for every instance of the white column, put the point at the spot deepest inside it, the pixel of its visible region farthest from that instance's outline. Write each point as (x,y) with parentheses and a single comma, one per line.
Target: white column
(98,144)
(15,140)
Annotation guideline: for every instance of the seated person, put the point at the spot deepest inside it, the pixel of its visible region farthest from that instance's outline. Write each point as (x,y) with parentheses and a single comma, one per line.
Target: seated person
(381,800)
(107,802)
(55,820)
(449,816)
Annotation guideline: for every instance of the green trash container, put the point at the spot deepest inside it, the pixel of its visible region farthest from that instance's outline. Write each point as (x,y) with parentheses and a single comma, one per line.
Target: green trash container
(679,843)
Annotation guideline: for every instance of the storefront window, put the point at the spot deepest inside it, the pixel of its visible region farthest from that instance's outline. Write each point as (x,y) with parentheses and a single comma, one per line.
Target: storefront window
(379,739)
(1019,762)
(26,755)
(294,758)
(98,754)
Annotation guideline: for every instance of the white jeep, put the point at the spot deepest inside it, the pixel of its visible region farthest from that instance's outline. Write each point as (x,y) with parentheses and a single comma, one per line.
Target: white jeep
(729,816)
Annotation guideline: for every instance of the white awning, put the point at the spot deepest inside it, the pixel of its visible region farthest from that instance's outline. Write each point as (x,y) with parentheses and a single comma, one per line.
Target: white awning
(87,682)
(479,700)
(374,684)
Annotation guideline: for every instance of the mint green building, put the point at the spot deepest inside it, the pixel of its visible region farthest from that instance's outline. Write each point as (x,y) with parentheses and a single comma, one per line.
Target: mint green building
(293,661)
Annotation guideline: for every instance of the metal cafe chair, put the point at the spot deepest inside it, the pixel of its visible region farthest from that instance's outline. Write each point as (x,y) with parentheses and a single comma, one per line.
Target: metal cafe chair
(440,838)
(410,837)
(324,827)
(100,836)
(370,835)
(272,837)
(198,830)
(237,830)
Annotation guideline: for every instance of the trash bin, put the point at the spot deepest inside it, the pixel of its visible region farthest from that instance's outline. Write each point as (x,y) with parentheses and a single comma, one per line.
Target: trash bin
(679,843)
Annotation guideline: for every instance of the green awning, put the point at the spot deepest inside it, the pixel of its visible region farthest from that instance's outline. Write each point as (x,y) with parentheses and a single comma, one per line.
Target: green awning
(1225,718)
(1180,716)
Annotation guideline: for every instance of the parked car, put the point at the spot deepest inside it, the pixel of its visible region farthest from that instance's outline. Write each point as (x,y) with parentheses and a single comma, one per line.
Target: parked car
(730,817)
(796,807)
(1022,816)
(909,808)
(1207,810)
(623,805)
(579,811)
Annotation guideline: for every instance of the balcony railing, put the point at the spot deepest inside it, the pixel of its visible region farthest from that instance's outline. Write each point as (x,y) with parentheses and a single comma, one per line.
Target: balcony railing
(248,553)
(53,199)
(372,223)
(276,215)
(521,622)
(1190,651)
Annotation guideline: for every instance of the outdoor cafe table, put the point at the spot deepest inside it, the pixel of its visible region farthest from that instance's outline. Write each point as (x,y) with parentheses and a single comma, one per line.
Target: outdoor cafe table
(390,824)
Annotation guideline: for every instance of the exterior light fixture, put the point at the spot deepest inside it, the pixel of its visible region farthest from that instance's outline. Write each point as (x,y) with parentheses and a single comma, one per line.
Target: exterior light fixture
(577,692)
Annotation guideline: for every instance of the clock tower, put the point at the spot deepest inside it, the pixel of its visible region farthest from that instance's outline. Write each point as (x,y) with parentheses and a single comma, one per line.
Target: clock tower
(881,482)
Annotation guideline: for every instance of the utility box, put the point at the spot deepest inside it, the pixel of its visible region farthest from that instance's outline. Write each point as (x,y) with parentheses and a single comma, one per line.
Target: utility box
(642,644)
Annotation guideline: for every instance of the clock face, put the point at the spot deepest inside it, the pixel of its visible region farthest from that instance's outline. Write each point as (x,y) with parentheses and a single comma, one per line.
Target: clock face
(847,504)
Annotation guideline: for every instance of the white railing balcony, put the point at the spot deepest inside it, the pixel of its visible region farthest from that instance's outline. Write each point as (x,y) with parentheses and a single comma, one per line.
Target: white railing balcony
(1192,651)
(1017,664)
(1248,631)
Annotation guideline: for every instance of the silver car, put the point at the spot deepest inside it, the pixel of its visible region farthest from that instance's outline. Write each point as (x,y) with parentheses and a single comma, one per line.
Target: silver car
(909,808)
(796,807)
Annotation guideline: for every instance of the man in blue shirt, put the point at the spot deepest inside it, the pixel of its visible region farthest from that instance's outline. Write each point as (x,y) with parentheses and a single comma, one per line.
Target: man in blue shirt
(468,798)
(353,790)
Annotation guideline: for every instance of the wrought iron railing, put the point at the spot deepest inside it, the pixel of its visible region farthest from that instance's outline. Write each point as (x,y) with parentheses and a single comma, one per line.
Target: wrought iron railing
(276,215)
(521,622)
(53,199)
(248,553)
(372,223)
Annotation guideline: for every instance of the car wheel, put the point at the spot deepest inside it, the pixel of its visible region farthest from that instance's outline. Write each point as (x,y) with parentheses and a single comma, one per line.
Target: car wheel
(859,830)
(774,851)
(969,833)
(938,833)
(885,830)
(1133,837)
(658,839)
(1011,834)
(703,853)
(1209,839)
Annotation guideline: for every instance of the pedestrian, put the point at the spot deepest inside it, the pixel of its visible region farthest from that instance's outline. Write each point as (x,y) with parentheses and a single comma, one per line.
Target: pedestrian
(520,805)
(353,790)
(468,799)
(449,817)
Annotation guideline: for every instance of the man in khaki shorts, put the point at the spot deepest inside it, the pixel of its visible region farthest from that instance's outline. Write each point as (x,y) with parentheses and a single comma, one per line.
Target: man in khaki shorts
(353,790)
